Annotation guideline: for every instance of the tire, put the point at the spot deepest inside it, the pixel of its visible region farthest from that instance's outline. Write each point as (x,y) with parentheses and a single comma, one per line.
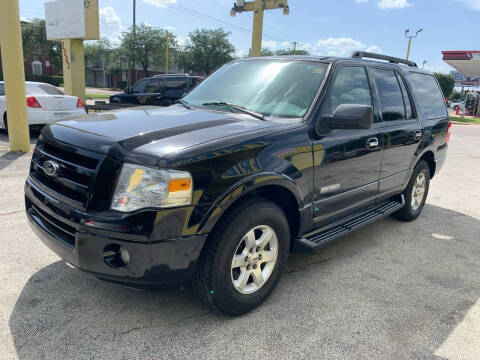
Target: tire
(219,280)
(413,202)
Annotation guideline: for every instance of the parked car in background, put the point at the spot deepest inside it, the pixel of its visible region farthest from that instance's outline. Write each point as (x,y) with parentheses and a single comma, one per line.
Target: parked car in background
(45,104)
(461,105)
(162,90)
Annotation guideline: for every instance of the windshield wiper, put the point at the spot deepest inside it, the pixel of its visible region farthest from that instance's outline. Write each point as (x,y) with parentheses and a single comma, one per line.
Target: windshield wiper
(184,103)
(237,107)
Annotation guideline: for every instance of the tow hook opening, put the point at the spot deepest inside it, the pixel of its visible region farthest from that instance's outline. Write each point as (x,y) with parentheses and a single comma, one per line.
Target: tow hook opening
(116,256)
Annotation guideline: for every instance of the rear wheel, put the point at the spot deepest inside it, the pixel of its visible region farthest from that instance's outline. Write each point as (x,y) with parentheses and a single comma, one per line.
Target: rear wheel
(244,257)
(415,193)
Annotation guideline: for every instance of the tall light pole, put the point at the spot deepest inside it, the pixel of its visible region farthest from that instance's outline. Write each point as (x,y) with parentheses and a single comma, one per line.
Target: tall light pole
(410,37)
(258,7)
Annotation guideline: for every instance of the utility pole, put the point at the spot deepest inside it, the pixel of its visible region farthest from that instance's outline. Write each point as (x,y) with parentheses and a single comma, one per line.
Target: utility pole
(14,76)
(166,54)
(130,68)
(295,45)
(258,7)
(410,37)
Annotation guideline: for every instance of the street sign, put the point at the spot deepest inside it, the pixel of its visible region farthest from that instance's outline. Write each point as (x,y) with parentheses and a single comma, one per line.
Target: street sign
(72,19)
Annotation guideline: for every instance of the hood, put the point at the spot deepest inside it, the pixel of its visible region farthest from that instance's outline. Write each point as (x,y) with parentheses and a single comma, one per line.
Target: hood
(151,131)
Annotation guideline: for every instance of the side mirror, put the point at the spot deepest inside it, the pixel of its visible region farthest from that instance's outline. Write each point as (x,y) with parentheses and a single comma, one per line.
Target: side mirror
(127,90)
(350,117)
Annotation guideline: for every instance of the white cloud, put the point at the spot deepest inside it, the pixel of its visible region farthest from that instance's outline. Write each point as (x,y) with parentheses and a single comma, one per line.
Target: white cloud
(393,4)
(110,23)
(473,4)
(160,3)
(398,4)
(169,28)
(341,46)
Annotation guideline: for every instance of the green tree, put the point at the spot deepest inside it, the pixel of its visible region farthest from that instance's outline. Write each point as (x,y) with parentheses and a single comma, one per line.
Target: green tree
(447,83)
(206,50)
(34,39)
(291,52)
(146,46)
(267,52)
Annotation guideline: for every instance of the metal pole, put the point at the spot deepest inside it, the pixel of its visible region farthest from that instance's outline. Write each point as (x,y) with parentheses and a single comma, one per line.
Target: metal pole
(166,55)
(74,67)
(408,48)
(257,28)
(130,67)
(14,76)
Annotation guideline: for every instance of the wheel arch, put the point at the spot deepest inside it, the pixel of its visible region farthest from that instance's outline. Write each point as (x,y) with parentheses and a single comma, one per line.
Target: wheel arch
(429,158)
(277,188)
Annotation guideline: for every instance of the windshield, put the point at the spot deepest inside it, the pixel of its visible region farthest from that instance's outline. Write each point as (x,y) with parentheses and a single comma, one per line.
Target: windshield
(274,88)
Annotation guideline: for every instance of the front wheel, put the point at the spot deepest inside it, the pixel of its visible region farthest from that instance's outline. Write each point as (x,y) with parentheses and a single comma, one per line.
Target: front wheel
(244,257)
(415,193)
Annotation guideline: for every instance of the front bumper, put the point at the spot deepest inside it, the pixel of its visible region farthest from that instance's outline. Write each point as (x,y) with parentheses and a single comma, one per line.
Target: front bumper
(70,234)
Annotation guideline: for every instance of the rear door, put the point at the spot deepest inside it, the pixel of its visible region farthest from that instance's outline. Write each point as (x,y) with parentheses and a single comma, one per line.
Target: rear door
(346,162)
(402,131)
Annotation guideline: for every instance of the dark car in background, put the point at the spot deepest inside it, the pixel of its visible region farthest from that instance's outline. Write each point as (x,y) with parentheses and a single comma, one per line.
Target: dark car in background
(162,90)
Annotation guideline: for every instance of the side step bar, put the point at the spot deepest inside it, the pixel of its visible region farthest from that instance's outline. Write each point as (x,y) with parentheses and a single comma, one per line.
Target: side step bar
(345,226)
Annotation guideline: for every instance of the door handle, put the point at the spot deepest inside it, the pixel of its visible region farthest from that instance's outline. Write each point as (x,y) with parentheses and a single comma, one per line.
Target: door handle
(418,134)
(372,143)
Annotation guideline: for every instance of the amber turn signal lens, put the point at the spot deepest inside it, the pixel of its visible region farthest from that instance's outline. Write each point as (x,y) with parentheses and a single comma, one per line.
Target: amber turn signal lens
(179,185)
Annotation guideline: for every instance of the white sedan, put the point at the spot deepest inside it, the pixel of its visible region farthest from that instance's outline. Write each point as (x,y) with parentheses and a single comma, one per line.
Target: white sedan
(45,104)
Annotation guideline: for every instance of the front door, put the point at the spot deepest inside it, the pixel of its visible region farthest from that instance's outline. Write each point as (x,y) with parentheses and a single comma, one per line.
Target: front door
(346,162)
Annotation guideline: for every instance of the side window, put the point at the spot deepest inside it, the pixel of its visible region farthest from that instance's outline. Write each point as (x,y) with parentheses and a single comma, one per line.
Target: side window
(2,90)
(350,87)
(176,84)
(154,86)
(389,94)
(429,94)
(406,98)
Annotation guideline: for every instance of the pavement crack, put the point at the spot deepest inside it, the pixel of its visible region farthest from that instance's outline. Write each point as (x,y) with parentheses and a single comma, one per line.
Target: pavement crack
(12,212)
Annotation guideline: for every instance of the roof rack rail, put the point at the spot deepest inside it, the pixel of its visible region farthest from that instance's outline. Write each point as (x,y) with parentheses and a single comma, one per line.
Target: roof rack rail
(393,60)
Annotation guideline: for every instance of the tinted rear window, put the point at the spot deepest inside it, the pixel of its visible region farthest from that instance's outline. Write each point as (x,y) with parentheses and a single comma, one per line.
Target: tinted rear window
(390,95)
(430,96)
(43,89)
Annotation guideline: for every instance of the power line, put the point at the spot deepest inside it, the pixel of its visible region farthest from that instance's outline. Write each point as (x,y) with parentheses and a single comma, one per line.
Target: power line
(195,13)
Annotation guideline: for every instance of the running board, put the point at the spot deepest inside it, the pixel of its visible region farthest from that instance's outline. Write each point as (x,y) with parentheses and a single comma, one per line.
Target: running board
(345,226)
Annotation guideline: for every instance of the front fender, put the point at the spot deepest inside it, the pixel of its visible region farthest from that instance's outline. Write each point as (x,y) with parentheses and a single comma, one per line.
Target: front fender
(242,188)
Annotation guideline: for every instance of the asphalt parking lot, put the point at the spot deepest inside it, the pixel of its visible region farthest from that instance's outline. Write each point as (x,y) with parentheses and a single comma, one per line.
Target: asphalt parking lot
(390,291)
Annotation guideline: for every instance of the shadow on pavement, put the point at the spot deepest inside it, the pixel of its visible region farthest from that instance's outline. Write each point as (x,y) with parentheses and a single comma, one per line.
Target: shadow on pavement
(391,290)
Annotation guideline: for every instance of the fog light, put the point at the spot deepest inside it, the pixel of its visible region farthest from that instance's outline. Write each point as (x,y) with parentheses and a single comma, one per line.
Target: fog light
(124,255)
(116,256)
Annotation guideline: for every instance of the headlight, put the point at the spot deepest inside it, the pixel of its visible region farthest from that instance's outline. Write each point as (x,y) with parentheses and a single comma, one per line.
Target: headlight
(141,187)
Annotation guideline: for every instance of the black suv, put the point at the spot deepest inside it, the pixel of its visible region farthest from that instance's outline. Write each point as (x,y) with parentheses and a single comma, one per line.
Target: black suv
(161,90)
(266,156)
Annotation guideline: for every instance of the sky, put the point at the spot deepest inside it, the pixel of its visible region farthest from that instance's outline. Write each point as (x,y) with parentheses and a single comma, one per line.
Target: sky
(321,27)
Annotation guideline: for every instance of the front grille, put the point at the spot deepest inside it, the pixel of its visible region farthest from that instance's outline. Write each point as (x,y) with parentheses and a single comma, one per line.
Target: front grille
(77,169)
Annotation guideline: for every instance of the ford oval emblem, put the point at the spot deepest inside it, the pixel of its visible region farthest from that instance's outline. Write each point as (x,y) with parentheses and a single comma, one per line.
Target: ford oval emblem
(51,168)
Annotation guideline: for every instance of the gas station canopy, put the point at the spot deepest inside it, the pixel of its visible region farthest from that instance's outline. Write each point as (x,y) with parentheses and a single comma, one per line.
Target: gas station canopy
(465,61)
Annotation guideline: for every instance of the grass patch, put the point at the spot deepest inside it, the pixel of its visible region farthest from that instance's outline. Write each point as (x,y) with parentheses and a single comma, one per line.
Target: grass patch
(469,119)
(98,96)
